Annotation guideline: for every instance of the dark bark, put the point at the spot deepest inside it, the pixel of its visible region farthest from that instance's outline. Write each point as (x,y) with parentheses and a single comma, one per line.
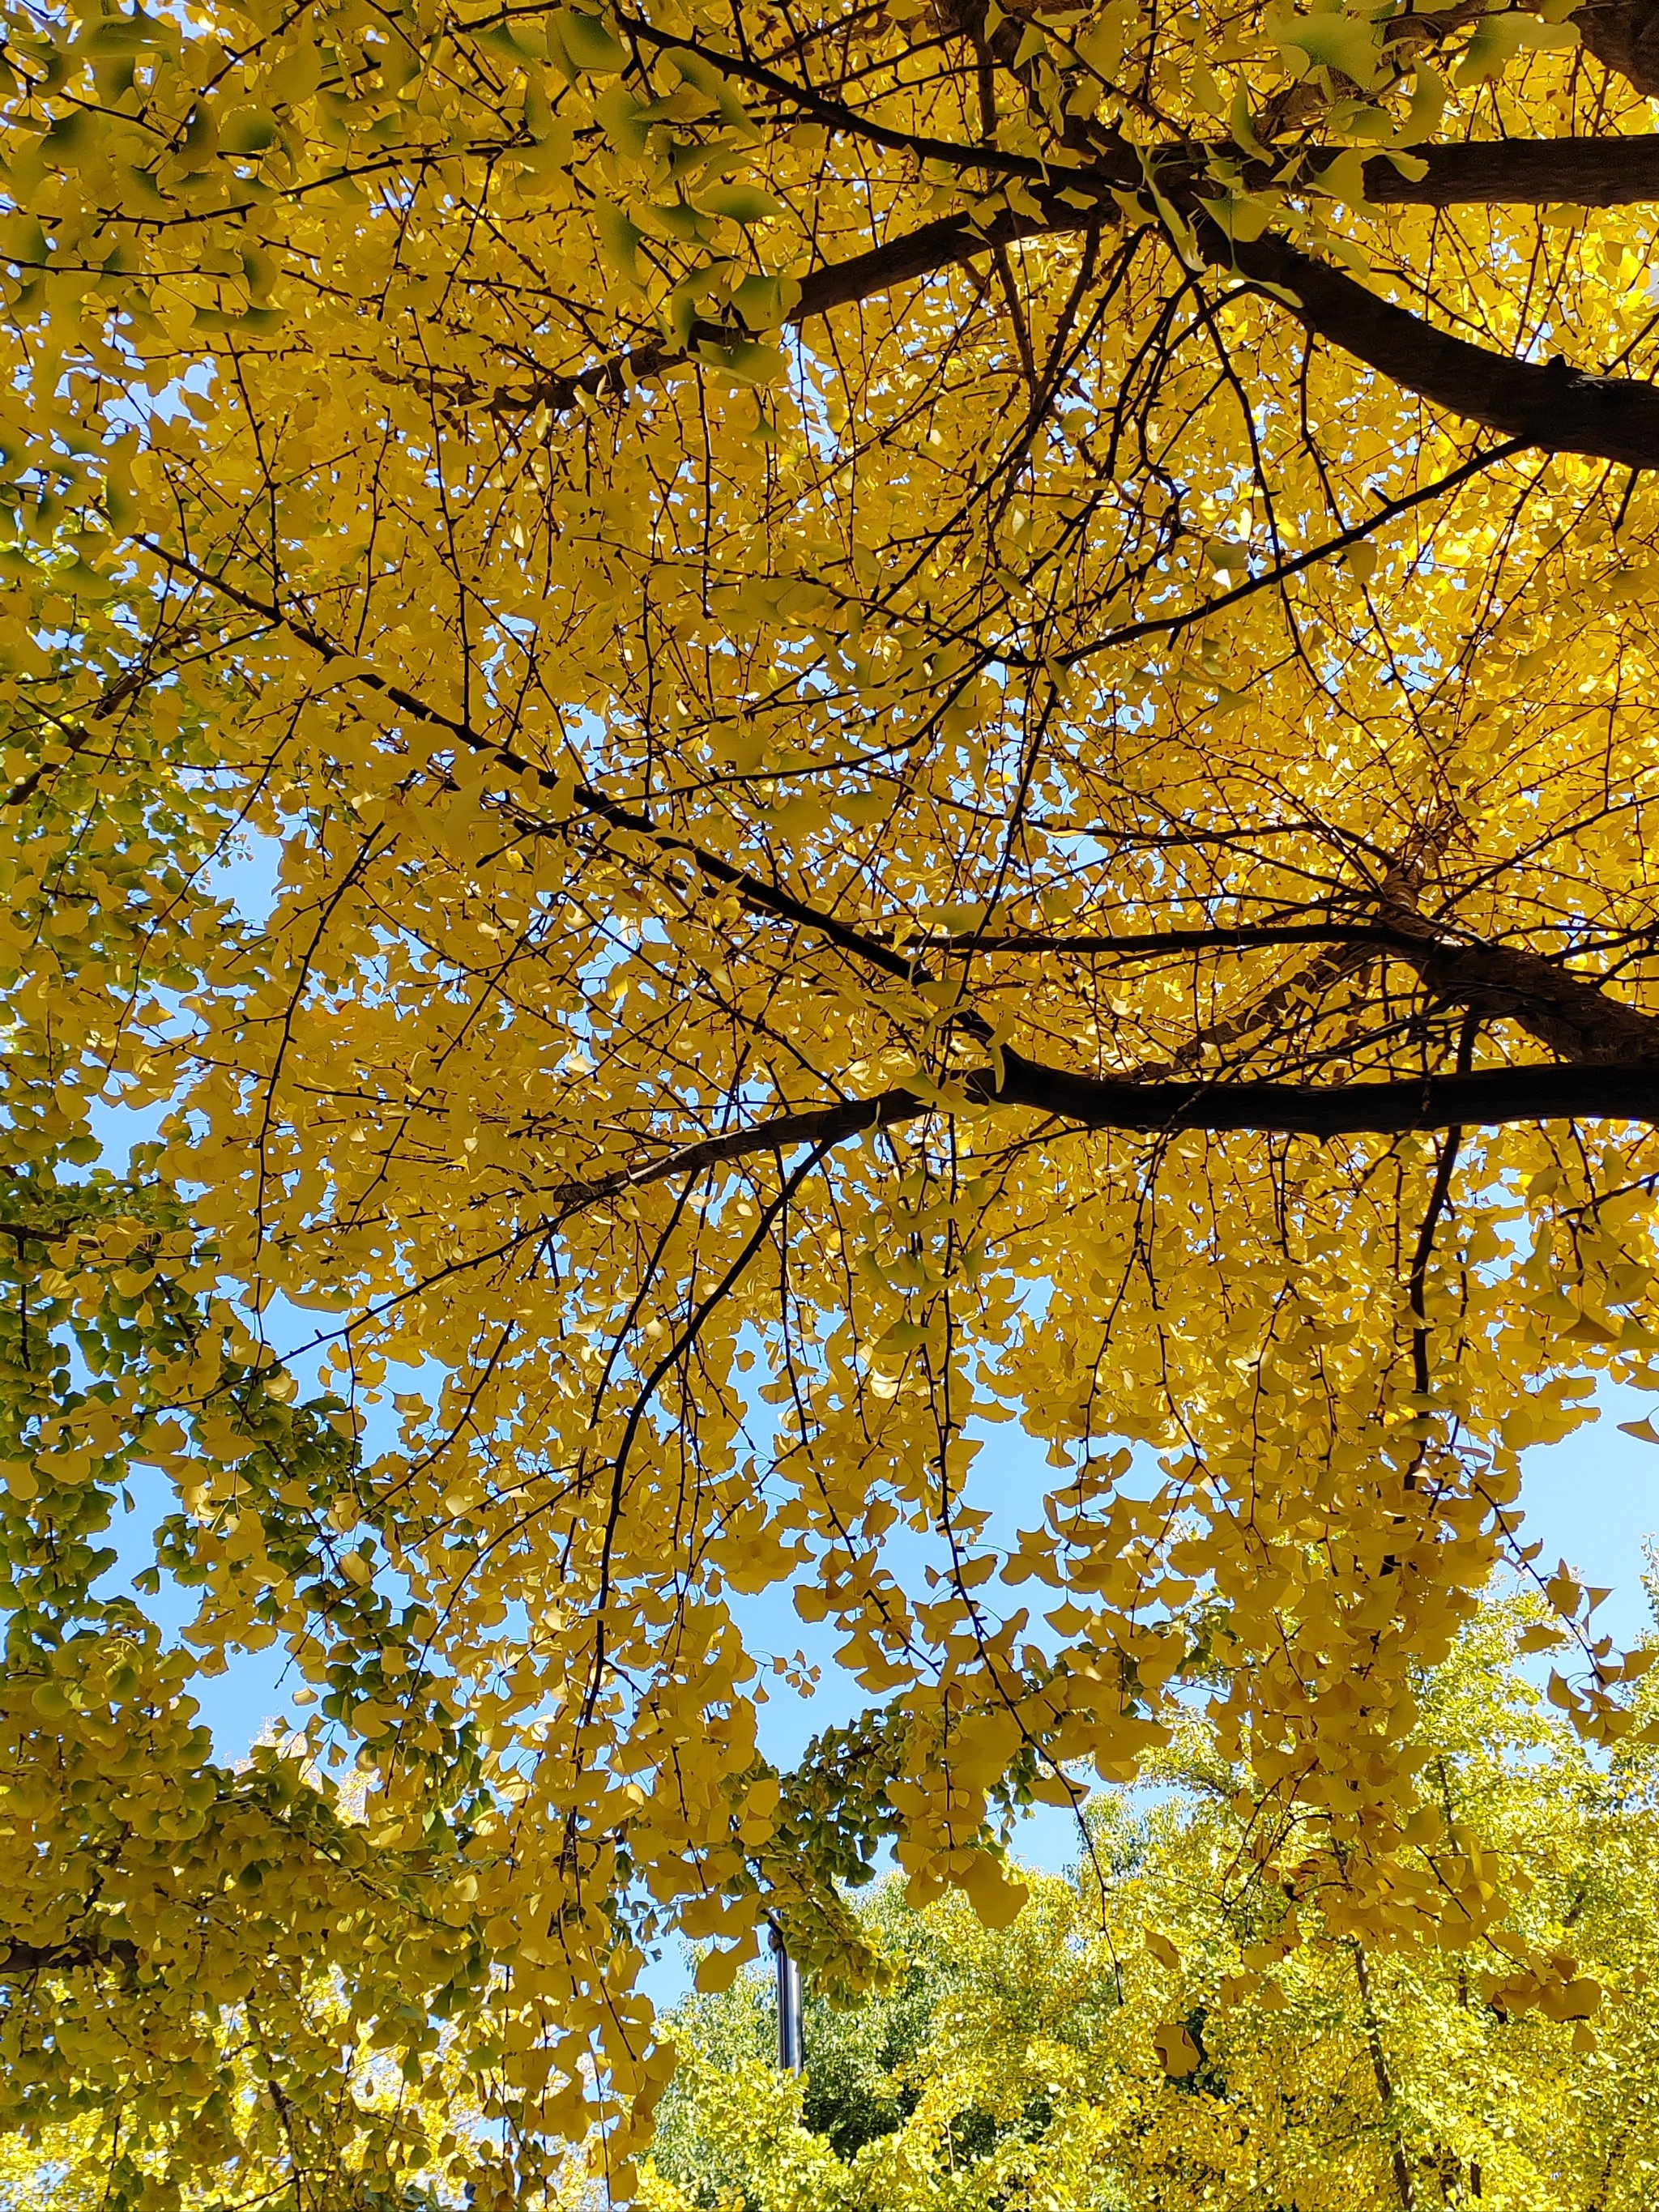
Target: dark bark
(1551,406)
(901,260)
(1569,1012)
(79,1952)
(1586,172)
(1523,172)
(1488,1097)
(1624,34)
(1574,1017)
(1613,1048)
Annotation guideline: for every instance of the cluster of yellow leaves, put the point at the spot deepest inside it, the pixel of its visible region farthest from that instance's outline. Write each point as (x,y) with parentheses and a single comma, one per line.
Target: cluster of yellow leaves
(633,712)
(1161,2031)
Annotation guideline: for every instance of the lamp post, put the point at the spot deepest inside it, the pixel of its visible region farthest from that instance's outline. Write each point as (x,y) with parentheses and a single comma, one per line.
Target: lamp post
(789,2004)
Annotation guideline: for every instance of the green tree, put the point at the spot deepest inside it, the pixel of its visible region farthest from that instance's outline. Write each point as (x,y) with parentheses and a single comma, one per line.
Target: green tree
(1164,2030)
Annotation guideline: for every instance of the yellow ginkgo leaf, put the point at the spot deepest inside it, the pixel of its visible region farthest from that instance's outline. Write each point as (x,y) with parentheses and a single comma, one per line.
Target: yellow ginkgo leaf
(1177,2053)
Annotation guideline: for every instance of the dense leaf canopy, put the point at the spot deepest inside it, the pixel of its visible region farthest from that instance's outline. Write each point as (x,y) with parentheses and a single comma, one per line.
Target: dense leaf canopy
(923,716)
(1145,2039)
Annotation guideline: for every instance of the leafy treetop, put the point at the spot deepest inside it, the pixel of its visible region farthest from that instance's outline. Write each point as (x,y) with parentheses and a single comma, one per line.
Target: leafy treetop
(1144,2038)
(948,713)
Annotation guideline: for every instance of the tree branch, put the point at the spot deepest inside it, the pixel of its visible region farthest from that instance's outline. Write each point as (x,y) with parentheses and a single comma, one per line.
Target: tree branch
(78,1951)
(835,114)
(1624,36)
(1523,173)
(1489,1097)
(1554,408)
(901,260)
(1570,1015)
(756,894)
(1390,510)
(1586,172)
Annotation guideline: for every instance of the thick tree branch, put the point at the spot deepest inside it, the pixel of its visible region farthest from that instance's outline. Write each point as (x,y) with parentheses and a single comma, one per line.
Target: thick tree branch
(1523,173)
(1554,408)
(1489,1097)
(1570,1014)
(1624,36)
(1565,1011)
(920,253)
(1586,172)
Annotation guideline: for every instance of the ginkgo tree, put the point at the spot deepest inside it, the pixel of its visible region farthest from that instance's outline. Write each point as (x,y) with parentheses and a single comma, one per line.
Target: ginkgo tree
(1154,2034)
(927,716)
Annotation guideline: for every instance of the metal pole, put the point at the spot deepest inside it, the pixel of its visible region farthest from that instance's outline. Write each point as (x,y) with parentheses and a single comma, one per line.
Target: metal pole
(790,2037)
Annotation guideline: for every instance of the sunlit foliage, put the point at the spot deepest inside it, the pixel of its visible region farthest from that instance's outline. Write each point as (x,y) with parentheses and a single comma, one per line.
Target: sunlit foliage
(1148,2037)
(763,740)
